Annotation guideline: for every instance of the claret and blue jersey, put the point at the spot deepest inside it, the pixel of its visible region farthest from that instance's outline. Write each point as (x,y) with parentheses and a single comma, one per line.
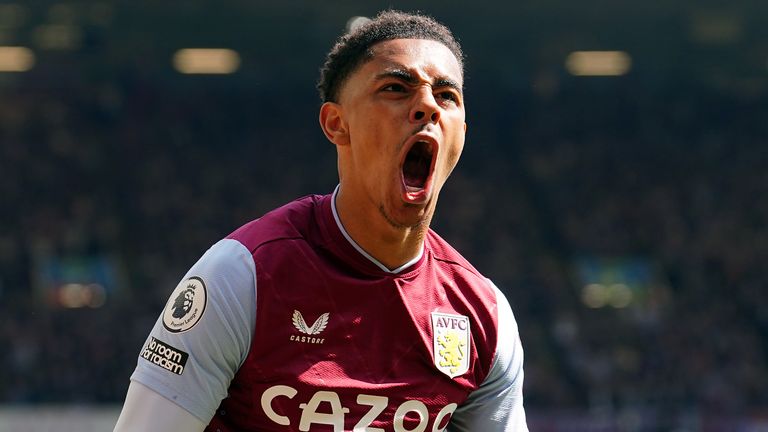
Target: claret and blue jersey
(297,329)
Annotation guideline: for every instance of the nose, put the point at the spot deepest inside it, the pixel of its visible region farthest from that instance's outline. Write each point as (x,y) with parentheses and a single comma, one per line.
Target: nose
(425,108)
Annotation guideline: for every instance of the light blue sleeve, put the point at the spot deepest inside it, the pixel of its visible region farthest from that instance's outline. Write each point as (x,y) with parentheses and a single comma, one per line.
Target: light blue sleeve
(204,333)
(498,404)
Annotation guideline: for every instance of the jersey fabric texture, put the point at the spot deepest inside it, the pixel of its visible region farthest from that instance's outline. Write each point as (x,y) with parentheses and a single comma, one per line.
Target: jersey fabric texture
(301,330)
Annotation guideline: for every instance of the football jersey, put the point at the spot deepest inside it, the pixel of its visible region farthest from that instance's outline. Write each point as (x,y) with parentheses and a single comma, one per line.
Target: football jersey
(288,325)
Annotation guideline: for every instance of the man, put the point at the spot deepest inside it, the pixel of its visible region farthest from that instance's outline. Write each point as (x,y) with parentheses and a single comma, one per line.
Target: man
(345,312)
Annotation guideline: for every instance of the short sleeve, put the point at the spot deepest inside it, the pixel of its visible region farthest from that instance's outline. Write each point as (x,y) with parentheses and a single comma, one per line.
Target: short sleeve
(204,333)
(497,405)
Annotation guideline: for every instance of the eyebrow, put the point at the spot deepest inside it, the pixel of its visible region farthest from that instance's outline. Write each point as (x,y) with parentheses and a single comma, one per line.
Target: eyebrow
(411,79)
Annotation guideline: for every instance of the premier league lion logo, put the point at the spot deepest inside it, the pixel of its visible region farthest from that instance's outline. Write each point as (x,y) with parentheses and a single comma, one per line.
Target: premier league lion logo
(186,305)
(183,303)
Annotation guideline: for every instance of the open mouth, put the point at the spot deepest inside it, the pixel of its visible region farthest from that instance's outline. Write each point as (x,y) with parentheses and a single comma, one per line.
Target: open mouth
(417,166)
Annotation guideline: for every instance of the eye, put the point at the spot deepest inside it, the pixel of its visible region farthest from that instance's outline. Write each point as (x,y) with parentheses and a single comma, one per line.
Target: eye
(394,87)
(448,96)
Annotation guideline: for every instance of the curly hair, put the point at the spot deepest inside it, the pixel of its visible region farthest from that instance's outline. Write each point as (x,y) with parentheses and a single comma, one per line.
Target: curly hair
(354,48)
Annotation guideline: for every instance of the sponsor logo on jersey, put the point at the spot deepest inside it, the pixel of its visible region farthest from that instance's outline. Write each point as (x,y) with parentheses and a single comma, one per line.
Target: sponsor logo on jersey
(186,305)
(165,356)
(451,339)
(327,408)
(309,332)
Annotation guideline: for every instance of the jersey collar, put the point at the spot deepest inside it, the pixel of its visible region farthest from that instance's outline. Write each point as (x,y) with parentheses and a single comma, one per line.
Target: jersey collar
(360,250)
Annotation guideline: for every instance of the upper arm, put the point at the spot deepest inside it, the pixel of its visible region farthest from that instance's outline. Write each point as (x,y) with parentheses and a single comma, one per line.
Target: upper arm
(147,411)
(497,405)
(203,336)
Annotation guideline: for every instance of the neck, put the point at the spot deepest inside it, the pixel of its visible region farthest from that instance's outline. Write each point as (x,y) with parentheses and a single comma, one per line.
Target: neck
(390,245)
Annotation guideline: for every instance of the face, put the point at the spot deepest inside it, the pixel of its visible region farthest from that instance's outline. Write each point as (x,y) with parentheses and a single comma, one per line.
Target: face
(399,128)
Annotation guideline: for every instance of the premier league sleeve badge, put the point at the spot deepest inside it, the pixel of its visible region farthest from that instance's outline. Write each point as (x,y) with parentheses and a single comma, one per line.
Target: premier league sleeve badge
(186,305)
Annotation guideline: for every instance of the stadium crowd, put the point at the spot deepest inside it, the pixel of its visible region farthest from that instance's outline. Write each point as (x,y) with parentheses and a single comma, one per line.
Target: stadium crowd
(151,176)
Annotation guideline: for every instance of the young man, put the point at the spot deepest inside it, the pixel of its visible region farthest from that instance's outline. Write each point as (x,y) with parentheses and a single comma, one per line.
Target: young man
(345,312)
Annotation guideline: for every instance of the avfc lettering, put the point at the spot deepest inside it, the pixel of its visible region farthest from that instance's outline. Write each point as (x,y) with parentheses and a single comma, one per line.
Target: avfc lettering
(451,322)
(316,411)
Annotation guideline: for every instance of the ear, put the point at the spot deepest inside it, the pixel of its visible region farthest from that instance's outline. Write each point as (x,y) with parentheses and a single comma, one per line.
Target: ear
(465,127)
(332,123)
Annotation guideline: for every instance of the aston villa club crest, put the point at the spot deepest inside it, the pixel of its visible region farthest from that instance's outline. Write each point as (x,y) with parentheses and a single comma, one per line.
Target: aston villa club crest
(451,340)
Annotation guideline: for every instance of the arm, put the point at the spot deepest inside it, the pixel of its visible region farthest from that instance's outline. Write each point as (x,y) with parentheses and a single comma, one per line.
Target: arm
(198,343)
(146,411)
(497,405)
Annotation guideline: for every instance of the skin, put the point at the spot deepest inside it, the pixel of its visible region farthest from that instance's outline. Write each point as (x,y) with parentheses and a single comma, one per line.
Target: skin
(408,90)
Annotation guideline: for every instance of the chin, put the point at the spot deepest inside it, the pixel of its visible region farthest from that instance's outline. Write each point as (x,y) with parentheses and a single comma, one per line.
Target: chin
(408,216)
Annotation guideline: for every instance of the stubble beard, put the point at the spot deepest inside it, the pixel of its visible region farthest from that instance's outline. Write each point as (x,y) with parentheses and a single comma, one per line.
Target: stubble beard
(420,225)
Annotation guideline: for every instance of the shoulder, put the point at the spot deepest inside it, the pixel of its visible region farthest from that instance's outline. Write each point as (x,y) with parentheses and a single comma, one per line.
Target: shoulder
(447,256)
(290,221)
(477,296)
(204,333)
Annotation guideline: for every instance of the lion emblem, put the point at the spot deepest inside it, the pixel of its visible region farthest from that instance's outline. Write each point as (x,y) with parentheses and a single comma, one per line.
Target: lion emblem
(452,352)
(183,303)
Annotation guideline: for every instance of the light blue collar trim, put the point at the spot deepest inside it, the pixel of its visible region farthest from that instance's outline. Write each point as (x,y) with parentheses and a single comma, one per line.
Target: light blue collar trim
(359,249)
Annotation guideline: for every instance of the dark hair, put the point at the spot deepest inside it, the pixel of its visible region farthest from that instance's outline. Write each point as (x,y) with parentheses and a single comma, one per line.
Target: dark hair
(354,48)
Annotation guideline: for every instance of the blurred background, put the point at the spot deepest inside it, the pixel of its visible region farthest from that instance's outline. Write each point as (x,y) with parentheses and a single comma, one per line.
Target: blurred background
(613,184)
